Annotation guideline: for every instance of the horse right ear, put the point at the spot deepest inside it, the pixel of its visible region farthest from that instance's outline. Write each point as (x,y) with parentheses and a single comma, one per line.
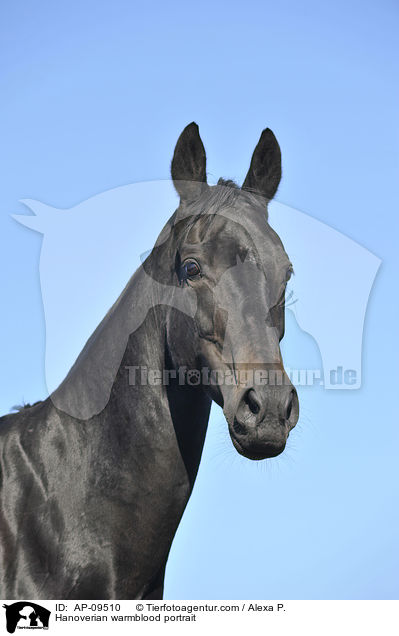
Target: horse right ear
(189,164)
(264,173)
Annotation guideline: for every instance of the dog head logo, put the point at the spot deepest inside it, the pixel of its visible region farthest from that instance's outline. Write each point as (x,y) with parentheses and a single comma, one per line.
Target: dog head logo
(26,615)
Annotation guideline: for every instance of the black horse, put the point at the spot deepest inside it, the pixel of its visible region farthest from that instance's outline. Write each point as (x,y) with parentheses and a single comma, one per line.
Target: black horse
(95,479)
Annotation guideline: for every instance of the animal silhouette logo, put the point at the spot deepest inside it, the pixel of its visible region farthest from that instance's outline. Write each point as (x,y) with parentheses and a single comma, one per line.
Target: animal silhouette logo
(26,615)
(333,279)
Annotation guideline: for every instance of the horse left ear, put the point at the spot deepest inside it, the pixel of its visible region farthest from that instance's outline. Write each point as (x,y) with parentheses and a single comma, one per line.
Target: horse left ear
(189,164)
(264,173)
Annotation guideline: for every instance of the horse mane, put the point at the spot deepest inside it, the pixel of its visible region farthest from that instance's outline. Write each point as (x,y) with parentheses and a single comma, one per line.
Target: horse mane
(226,193)
(228,182)
(22,407)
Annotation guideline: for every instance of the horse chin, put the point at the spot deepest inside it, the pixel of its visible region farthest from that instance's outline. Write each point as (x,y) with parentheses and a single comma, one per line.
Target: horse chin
(260,450)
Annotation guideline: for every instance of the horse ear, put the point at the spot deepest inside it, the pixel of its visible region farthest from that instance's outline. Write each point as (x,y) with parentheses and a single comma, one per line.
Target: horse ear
(189,164)
(264,173)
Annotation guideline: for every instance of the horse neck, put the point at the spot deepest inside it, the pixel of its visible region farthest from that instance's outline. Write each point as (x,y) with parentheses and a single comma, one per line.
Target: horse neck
(131,340)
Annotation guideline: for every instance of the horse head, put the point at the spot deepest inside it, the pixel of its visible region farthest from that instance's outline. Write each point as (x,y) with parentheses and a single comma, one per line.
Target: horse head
(219,250)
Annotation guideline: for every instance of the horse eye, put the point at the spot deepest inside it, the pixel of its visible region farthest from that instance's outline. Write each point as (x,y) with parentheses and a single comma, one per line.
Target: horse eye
(191,269)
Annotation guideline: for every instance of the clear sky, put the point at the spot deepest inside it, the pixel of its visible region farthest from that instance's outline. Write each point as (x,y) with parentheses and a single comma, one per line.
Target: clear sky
(94,96)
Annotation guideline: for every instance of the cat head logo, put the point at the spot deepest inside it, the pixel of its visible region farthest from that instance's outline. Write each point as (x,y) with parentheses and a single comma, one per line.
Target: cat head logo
(26,615)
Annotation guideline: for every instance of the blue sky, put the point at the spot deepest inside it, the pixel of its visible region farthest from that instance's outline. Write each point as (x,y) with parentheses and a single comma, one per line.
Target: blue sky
(94,96)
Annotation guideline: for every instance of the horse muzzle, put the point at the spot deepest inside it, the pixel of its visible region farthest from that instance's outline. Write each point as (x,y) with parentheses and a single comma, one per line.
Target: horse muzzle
(262,421)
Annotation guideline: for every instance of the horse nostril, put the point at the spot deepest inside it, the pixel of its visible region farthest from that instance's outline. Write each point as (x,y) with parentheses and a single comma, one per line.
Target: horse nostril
(252,401)
(288,408)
